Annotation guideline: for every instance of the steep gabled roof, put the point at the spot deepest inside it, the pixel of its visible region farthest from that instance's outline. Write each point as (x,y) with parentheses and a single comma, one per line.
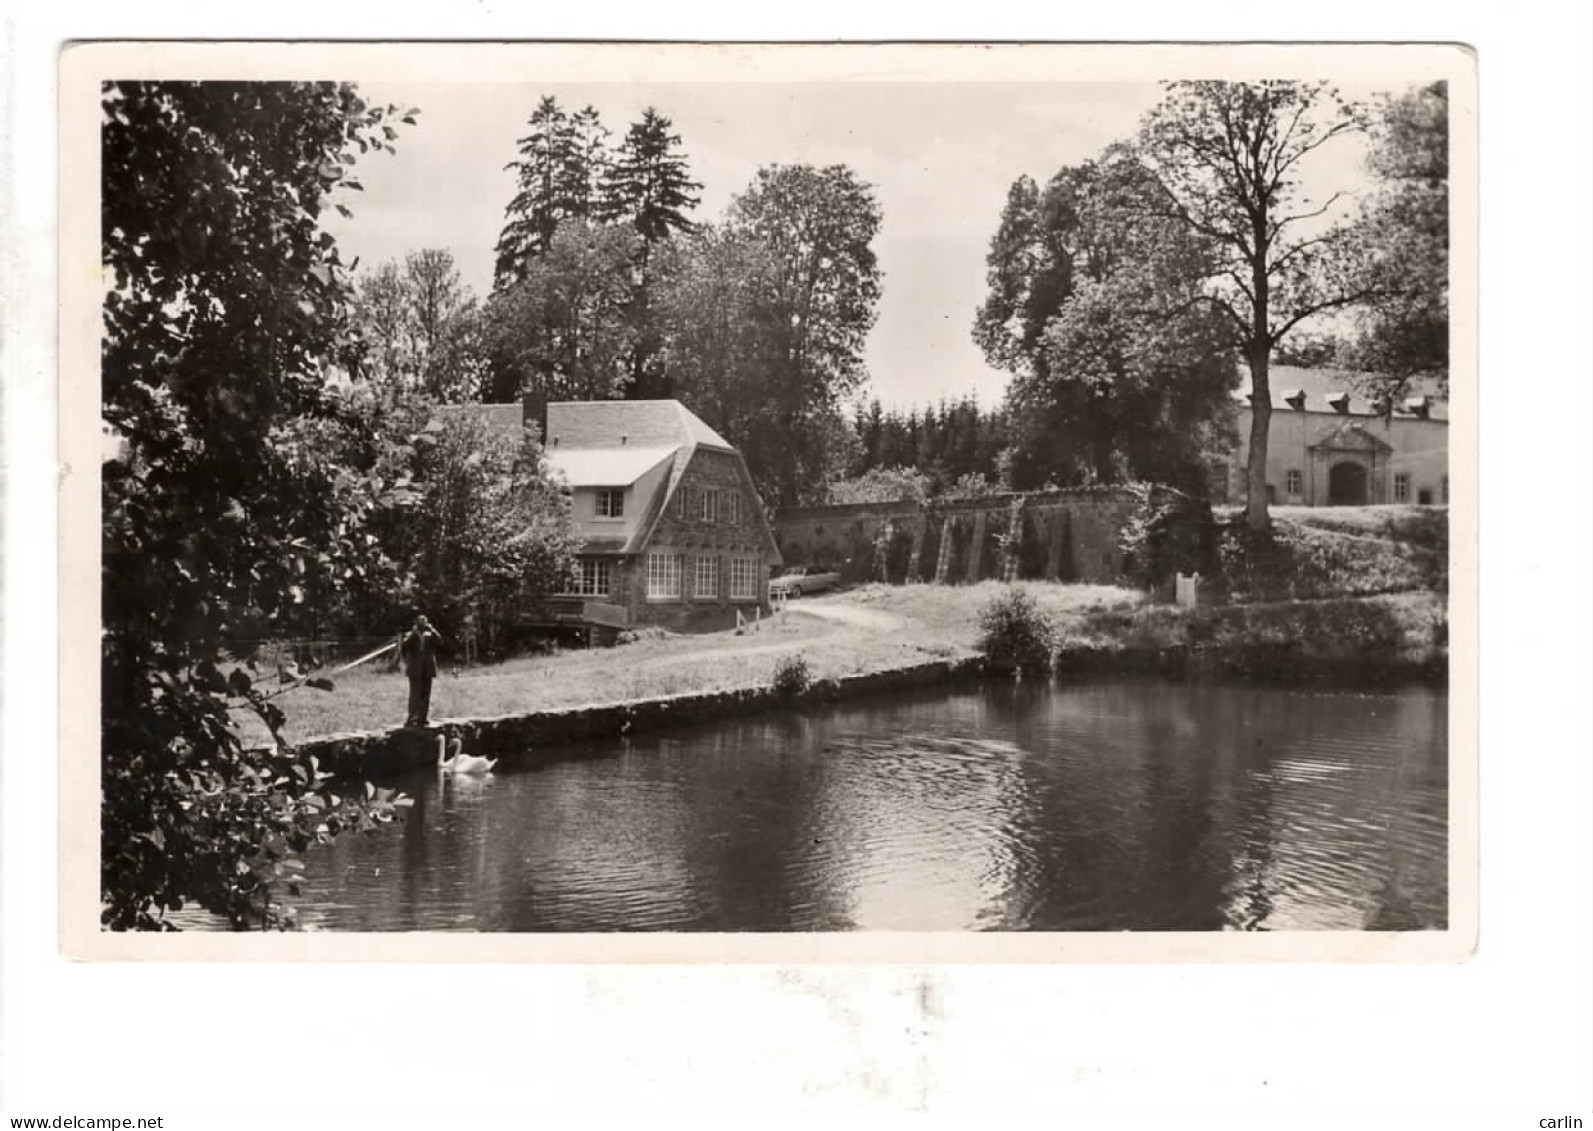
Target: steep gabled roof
(615,443)
(621,424)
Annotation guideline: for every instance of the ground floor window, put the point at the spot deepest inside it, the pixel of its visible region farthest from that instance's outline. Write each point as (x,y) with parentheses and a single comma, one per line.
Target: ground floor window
(591,578)
(663,576)
(1401,487)
(707,586)
(743,578)
(1292,482)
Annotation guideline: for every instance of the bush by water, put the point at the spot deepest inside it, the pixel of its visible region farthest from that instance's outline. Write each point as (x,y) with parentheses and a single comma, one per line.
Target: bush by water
(1014,632)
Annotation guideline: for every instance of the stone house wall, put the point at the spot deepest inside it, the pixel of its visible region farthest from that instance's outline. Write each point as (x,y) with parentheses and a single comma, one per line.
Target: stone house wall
(692,538)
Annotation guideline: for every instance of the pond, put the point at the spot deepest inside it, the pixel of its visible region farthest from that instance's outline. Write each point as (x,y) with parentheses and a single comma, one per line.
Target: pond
(1081,807)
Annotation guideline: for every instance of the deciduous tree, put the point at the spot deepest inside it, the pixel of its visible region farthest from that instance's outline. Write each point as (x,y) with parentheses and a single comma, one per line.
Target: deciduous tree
(1404,333)
(563,329)
(1116,375)
(225,307)
(490,532)
(1226,161)
(420,326)
(814,287)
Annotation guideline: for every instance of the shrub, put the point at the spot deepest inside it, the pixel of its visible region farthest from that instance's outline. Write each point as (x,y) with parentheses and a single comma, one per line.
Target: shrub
(1013,631)
(1294,561)
(792,676)
(1169,532)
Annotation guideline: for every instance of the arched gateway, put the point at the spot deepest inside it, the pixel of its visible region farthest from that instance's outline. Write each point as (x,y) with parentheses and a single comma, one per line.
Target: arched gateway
(1347,484)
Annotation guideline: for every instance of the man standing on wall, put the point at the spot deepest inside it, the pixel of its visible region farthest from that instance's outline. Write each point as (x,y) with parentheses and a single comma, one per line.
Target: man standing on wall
(419,649)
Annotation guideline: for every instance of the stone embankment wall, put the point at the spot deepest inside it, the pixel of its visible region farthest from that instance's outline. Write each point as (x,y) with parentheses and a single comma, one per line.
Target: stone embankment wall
(1067,535)
(546,736)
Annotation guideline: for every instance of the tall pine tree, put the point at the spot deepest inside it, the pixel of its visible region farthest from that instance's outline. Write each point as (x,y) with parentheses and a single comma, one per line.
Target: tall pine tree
(561,169)
(647,185)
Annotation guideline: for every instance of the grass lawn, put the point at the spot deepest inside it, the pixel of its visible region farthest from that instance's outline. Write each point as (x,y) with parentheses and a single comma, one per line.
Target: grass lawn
(870,628)
(1427,527)
(864,629)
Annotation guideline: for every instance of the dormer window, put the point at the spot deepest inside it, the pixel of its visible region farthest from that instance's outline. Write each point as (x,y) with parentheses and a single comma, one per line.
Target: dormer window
(611,502)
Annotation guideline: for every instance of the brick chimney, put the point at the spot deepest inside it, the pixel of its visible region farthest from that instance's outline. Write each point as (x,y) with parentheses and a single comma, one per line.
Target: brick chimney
(534,410)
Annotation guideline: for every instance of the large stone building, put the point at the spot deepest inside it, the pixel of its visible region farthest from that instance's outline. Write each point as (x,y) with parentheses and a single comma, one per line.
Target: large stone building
(672,530)
(1330,446)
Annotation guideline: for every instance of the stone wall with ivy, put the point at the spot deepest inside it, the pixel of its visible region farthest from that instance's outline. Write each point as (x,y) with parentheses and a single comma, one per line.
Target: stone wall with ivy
(1069,535)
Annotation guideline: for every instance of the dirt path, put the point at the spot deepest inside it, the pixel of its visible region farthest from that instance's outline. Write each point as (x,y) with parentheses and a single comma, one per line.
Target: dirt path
(851,615)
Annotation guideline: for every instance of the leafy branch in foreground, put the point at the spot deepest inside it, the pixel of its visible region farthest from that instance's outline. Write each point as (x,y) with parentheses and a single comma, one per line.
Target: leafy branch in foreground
(225,310)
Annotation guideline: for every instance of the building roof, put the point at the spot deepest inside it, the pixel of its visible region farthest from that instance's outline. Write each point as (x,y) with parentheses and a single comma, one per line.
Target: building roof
(1321,384)
(615,443)
(628,424)
(596,467)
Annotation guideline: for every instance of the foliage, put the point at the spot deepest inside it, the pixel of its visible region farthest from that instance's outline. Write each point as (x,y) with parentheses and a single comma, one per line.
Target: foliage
(648,187)
(559,172)
(1168,533)
(1295,561)
(647,184)
(1117,375)
(563,330)
(421,329)
(944,442)
(882,485)
(225,306)
(972,485)
(810,285)
(1424,527)
(1224,160)
(1015,632)
(792,676)
(603,297)
(490,532)
(709,298)
(1361,638)
(1404,334)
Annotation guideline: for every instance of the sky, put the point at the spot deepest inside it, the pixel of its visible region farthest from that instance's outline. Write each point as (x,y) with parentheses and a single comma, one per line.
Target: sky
(940,156)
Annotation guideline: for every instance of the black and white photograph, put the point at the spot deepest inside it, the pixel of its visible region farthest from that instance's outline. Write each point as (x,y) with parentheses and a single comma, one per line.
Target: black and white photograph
(941,498)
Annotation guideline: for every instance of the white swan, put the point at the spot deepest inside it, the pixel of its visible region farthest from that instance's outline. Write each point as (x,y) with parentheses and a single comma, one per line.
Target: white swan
(458,762)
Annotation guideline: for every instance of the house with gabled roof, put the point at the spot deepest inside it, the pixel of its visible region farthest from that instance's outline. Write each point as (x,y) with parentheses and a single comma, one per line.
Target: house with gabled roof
(672,530)
(1329,445)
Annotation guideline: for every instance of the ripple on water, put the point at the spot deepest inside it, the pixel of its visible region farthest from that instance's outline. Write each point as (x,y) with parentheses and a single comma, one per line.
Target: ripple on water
(1094,807)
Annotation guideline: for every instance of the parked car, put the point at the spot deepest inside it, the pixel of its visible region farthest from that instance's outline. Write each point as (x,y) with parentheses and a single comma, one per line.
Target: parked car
(804,579)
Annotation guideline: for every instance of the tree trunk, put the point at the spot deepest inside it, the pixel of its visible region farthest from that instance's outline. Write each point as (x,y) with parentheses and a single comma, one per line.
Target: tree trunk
(1260,357)
(1256,514)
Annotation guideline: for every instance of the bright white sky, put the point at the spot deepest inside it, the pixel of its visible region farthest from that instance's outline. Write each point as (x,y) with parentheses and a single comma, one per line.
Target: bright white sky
(941,157)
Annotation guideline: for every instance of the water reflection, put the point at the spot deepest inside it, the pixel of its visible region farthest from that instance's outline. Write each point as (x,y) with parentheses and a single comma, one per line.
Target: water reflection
(1107,806)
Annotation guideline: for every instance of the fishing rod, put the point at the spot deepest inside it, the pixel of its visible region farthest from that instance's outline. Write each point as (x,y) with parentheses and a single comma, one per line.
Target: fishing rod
(303,679)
